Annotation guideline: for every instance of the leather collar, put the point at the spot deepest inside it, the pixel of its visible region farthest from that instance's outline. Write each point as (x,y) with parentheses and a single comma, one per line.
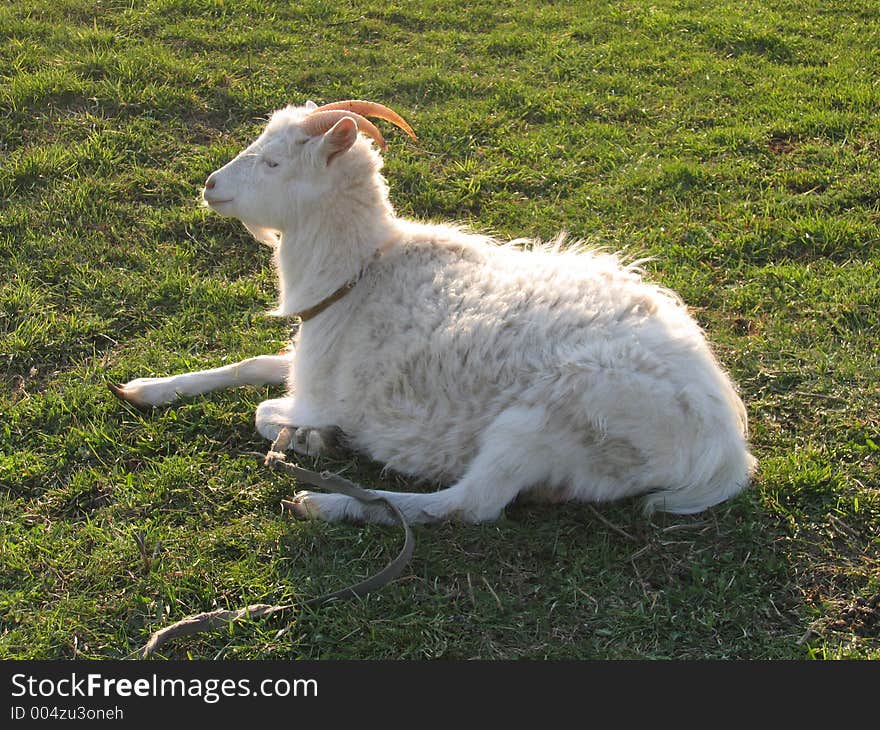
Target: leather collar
(311,312)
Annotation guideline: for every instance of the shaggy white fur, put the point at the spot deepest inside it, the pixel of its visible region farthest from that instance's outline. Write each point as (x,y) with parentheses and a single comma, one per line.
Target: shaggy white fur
(497,369)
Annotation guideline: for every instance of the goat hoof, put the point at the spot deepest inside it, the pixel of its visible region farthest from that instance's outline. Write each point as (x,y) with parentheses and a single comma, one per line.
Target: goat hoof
(314,442)
(121,393)
(300,507)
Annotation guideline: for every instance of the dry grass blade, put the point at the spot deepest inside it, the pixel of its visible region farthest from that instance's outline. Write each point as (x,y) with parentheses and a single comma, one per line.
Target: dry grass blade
(605,521)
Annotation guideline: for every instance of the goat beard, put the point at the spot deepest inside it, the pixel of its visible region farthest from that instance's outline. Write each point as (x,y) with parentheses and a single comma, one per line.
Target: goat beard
(269,236)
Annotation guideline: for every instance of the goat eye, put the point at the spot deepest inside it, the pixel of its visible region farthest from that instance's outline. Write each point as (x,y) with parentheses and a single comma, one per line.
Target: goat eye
(270,163)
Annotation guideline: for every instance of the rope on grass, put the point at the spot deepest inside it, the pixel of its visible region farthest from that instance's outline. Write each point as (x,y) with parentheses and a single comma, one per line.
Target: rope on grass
(210,620)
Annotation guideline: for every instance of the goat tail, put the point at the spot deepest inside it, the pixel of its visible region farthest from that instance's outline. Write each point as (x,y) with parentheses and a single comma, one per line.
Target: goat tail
(721,473)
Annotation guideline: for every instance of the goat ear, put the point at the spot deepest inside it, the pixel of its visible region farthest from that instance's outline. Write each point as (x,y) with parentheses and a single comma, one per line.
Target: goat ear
(338,138)
(264,235)
(310,105)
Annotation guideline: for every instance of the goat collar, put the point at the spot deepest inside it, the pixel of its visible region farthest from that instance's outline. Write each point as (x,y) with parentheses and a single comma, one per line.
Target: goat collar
(311,312)
(307,314)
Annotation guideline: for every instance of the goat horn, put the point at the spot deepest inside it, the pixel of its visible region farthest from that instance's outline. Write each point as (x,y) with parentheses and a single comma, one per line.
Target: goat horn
(319,121)
(370,109)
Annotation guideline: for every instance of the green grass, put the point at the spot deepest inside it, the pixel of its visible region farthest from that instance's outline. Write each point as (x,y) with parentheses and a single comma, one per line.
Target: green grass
(737,146)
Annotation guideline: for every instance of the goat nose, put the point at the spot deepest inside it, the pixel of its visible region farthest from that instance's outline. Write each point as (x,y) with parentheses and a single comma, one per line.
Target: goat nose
(209,183)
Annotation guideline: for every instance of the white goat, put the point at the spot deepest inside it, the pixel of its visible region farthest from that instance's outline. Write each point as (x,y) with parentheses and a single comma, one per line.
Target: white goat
(448,357)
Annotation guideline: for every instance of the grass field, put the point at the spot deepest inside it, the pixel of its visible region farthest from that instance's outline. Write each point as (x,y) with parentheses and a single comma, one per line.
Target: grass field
(737,146)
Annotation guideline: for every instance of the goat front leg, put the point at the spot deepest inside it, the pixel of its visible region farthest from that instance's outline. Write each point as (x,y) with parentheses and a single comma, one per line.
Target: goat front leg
(278,413)
(145,393)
